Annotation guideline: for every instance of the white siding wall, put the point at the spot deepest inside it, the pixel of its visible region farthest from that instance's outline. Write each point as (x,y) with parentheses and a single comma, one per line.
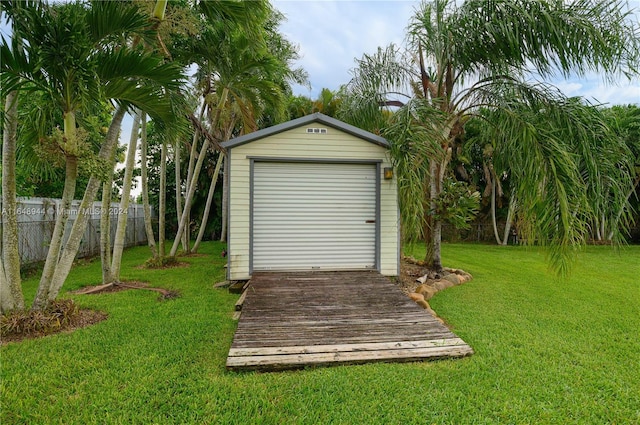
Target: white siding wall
(297,143)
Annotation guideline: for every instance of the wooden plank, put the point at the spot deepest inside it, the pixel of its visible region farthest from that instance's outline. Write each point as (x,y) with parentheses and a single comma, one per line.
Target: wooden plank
(294,319)
(223,284)
(316,359)
(262,342)
(241,301)
(396,345)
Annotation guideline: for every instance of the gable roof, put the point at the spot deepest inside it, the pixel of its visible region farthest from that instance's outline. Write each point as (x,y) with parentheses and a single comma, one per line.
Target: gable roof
(299,122)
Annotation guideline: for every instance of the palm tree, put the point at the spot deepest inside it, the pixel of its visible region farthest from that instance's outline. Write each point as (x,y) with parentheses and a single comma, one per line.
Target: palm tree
(10,284)
(603,146)
(123,210)
(74,54)
(625,121)
(328,103)
(11,296)
(239,76)
(144,183)
(484,53)
(243,82)
(176,41)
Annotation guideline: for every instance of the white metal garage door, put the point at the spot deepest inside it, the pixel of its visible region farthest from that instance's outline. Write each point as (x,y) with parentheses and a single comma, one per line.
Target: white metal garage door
(309,216)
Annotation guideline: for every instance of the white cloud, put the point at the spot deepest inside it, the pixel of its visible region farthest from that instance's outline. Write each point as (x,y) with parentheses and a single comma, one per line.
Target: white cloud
(593,88)
(614,94)
(332,34)
(569,88)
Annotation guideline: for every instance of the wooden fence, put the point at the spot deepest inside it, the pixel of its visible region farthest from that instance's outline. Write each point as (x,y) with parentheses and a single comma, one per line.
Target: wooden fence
(37,218)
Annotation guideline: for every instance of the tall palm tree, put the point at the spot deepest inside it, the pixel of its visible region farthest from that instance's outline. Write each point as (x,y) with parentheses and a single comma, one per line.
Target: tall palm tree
(244,81)
(238,76)
(10,281)
(74,54)
(11,296)
(484,53)
(144,183)
(176,41)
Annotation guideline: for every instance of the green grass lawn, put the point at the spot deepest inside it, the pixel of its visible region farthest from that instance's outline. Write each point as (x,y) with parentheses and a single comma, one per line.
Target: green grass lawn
(547,351)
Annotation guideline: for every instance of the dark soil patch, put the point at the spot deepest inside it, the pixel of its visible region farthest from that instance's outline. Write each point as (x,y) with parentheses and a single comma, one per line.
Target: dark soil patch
(410,270)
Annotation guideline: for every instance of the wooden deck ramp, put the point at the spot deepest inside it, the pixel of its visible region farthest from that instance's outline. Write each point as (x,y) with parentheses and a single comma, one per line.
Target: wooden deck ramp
(293,320)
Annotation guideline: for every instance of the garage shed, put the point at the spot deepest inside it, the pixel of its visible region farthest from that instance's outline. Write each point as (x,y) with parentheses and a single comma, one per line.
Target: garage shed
(313,193)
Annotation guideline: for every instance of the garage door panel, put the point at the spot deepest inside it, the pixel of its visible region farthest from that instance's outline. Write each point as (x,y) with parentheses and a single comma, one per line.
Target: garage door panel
(347,232)
(318,210)
(313,216)
(303,244)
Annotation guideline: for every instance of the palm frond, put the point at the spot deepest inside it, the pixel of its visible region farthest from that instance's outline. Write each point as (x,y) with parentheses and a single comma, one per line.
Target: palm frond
(551,36)
(116,22)
(567,167)
(142,79)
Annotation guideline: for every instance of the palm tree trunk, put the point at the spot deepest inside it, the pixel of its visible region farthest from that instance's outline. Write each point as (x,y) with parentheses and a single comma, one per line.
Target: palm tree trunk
(225,184)
(51,263)
(151,239)
(193,153)
(105,227)
(80,224)
(7,302)
(178,178)
(187,202)
(105,223)
(436,181)
(205,215)
(507,226)
(186,235)
(10,283)
(433,259)
(493,211)
(196,173)
(123,213)
(162,200)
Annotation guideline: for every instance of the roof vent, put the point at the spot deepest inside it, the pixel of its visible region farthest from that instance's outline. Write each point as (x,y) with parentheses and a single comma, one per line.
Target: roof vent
(317,130)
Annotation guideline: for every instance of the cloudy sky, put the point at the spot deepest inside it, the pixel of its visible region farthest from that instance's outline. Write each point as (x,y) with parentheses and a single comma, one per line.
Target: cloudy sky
(332,34)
